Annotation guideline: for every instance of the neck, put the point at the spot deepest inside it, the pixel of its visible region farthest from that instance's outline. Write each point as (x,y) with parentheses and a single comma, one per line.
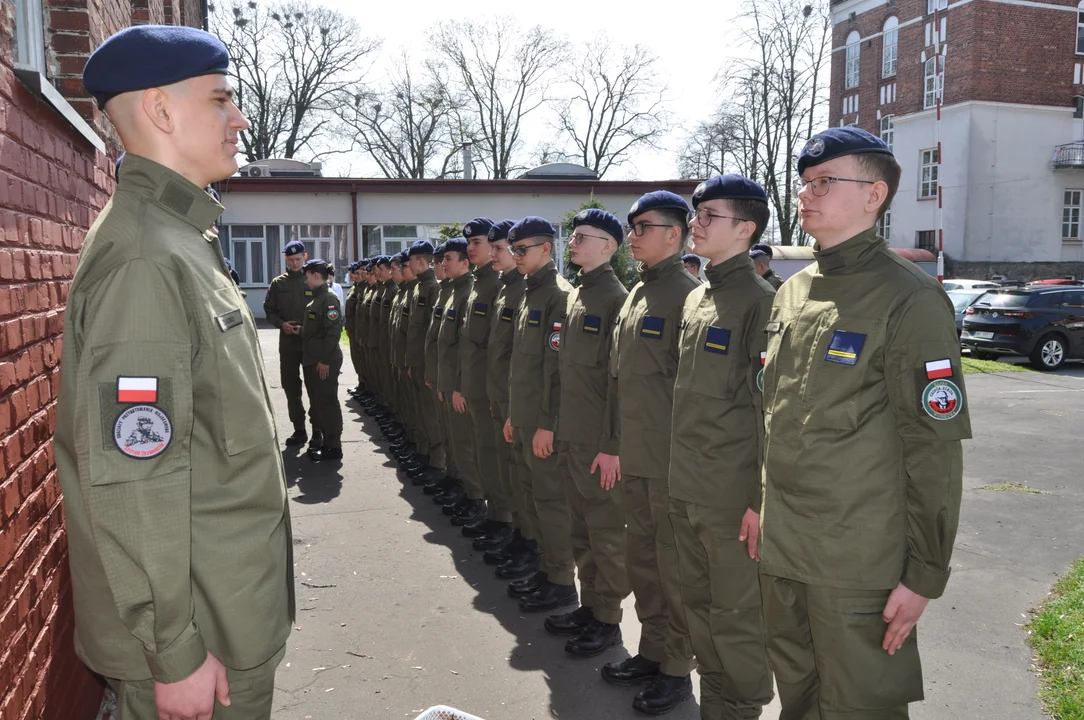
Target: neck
(829,240)
(593,265)
(726,253)
(166,158)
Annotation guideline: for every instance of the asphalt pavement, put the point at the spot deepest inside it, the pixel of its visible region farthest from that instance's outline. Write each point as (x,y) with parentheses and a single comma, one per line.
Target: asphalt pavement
(397,613)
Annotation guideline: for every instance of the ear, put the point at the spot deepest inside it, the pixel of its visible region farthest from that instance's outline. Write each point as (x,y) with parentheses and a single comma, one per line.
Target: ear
(878,193)
(155,105)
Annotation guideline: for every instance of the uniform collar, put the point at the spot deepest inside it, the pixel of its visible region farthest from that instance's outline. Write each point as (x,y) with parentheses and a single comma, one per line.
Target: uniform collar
(717,274)
(546,273)
(484,272)
(587,279)
(661,269)
(849,255)
(170,191)
(511,277)
(320,291)
(426,276)
(461,280)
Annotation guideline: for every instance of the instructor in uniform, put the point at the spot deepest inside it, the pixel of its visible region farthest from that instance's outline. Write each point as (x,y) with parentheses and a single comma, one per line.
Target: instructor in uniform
(165,436)
(284,306)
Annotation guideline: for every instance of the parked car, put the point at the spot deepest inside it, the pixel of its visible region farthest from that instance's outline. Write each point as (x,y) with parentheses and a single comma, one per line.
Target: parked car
(961,301)
(1057,281)
(962,284)
(1042,322)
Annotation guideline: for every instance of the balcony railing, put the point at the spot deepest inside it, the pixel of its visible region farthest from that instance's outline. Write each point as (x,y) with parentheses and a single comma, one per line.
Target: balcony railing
(1070,155)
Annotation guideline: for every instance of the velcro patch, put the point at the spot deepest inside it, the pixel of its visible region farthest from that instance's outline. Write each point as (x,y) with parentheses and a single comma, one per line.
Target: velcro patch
(845,347)
(937,369)
(481,309)
(142,432)
(423,301)
(651,327)
(438,313)
(137,390)
(311,315)
(308,293)
(333,313)
(229,320)
(592,324)
(507,314)
(534,318)
(449,316)
(717,340)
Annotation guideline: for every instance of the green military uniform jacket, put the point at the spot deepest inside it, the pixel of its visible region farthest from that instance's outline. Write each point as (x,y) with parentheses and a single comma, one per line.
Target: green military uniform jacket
(387,298)
(586,335)
(372,329)
(422,302)
(865,409)
(323,329)
(502,331)
(432,337)
(773,279)
(718,433)
(400,320)
(361,320)
(285,301)
(350,311)
(534,383)
(644,362)
(450,370)
(474,345)
(174,492)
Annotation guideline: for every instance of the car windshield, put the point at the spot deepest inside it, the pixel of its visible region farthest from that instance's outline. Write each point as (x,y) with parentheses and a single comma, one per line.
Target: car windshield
(1006,299)
(962,299)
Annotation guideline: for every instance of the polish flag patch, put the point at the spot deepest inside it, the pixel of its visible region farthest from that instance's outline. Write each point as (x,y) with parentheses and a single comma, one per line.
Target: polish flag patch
(557,327)
(763,358)
(937,369)
(137,390)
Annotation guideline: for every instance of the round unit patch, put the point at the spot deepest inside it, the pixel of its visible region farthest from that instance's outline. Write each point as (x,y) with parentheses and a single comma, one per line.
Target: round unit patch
(942,400)
(555,341)
(332,314)
(760,380)
(815,147)
(142,432)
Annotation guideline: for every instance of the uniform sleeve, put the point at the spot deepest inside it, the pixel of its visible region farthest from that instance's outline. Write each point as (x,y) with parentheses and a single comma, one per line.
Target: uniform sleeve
(757,347)
(137,472)
(271,306)
(350,312)
(550,407)
(332,323)
(610,440)
(926,389)
(457,359)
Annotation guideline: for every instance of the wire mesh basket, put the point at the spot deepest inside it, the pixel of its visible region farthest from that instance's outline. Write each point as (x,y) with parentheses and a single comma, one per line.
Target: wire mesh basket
(443,712)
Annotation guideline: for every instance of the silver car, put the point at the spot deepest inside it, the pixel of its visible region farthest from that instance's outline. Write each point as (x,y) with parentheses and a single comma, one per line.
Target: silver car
(961,301)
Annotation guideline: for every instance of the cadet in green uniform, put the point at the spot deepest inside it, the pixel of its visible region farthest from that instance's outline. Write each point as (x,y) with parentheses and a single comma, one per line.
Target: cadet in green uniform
(716,450)
(438,486)
(534,402)
(692,264)
(379,312)
(479,520)
(865,409)
(165,440)
(322,361)
(761,254)
(643,364)
(405,439)
(361,324)
(350,316)
(588,446)
(284,306)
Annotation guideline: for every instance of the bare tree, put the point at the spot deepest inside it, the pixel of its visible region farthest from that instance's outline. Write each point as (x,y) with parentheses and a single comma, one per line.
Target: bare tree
(290,61)
(504,73)
(616,105)
(712,148)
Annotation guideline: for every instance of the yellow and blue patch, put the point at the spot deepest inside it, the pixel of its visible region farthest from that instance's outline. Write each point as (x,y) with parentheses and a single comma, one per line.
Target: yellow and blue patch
(507,314)
(449,316)
(845,347)
(481,309)
(652,327)
(534,318)
(592,324)
(438,312)
(717,340)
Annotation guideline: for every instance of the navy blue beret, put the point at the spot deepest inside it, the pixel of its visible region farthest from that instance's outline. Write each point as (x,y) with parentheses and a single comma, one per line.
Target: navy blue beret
(764,248)
(369,264)
(657,200)
(690,258)
(605,221)
(529,227)
(293,248)
(499,231)
(317,265)
(729,187)
(456,245)
(384,260)
(438,251)
(403,256)
(147,56)
(756,254)
(396,258)
(421,247)
(837,142)
(477,226)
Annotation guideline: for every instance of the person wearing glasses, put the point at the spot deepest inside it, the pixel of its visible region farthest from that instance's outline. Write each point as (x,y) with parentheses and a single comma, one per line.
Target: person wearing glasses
(716,450)
(692,264)
(534,400)
(588,445)
(643,364)
(863,457)
(762,254)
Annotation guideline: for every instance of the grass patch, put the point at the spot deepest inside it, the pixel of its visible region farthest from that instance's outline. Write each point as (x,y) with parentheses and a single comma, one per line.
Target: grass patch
(344,338)
(1056,632)
(973,365)
(1012,487)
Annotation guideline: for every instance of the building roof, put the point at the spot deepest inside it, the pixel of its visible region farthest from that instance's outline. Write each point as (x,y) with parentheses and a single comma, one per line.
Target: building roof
(532,186)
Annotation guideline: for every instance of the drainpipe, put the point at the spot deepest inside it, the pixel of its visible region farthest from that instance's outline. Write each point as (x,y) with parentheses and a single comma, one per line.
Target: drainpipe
(354,216)
(203,11)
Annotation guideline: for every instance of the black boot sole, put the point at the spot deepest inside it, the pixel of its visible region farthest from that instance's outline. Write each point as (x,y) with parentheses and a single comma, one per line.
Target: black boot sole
(631,682)
(563,631)
(580,652)
(665,710)
(572,599)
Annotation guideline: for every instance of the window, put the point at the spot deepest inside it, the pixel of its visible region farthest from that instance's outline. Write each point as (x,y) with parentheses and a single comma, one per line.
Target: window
(254,250)
(927,182)
(934,83)
(1070,216)
(932,5)
(327,242)
(891,46)
(29,35)
(1080,28)
(927,240)
(853,60)
(884,225)
(888,130)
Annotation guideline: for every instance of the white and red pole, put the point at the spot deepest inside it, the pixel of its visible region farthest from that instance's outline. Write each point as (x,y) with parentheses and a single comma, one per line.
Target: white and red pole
(939,91)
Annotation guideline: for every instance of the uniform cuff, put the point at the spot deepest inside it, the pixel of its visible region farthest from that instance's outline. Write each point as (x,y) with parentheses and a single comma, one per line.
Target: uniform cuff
(924,581)
(185,656)
(610,447)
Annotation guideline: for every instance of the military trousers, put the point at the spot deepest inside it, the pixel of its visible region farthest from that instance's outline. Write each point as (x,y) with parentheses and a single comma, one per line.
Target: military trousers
(824,645)
(598,532)
(544,495)
(485,459)
(290,352)
(424,401)
(355,357)
(720,589)
(325,410)
(451,469)
(508,467)
(652,564)
(462,439)
(251,694)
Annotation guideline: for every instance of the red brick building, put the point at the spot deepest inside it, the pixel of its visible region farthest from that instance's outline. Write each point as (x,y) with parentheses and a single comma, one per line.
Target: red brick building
(1011,162)
(56,174)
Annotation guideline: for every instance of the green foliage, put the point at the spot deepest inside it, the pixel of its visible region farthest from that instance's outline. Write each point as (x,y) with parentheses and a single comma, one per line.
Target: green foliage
(447,232)
(1056,632)
(623,264)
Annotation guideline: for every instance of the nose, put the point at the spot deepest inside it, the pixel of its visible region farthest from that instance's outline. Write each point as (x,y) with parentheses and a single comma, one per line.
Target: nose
(238,119)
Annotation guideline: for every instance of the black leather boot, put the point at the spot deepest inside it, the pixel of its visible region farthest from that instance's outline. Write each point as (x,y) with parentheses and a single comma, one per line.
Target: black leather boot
(523,562)
(438,484)
(426,476)
(572,623)
(596,638)
(549,597)
(631,671)
(500,535)
(479,528)
(470,512)
(525,586)
(503,553)
(664,695)
(300,437)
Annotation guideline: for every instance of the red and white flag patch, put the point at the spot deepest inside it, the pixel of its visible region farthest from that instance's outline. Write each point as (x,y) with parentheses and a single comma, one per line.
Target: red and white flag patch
(938,369)
(763,358)
(557,327)
(137,390)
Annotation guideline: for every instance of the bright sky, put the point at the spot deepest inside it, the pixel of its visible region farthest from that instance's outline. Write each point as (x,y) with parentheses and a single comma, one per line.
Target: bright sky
(693,46)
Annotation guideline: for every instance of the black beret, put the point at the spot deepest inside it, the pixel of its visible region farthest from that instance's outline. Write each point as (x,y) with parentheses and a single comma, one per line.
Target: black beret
(456,245)
(396,258)
(438,251)
(529,227)
(605,221)
(404,256)
(499,231)
(837,142)
(729,187)
(421,247)
(293,248)
(382,260)
(657,200)
(317,265)
(477,226)
(369,265)
(764,248)
(690,258)
(147,56)
(756,254)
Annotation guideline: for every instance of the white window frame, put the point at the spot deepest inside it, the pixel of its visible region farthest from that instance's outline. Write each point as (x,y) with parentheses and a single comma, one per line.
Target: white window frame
(887,127)
(884,225)
(853,66)
(1080,28)
(932,5)
(29,36)
(1070,215)
(327,241)
(930,234)
(933,83)
(268,245)
(929,175)
(890,49)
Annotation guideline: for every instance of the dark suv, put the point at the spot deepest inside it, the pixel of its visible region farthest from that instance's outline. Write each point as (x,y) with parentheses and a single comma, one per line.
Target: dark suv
(1044,323)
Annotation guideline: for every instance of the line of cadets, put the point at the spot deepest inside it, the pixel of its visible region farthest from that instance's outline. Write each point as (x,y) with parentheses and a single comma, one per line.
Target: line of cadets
(622,435)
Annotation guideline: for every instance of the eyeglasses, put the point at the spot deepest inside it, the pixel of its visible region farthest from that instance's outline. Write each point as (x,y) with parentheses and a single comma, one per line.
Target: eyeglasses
(821,185)
(521,250)
(638,229)
(579,237)
(703,217)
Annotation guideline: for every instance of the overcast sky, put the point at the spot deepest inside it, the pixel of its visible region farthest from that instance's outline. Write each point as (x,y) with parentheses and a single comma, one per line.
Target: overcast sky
(692,42)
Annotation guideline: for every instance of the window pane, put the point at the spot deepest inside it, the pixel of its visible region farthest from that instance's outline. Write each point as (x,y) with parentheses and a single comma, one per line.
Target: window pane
(342,250)
(257,263)
(224,240)
(274,252)
(246,231)
(393,246)
(310,248)
(240,260)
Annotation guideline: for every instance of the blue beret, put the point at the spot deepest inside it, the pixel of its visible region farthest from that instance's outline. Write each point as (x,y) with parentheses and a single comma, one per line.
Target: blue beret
(756,254)
(477,226)
(147,56)
(499,231)
(403,256)
(456,245)
(382,260)
(690,258)
(657,200)
(439,249)
(421,247)
(293,248)
(317,265)
(529,227)
(764,248)
(837,142)
(729,187)
(604,221)
(369,265)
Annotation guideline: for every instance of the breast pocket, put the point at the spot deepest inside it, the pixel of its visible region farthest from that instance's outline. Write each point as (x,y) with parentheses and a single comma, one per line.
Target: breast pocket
(478,325)
(652,343)
(844,362)
(714,354)
(585,339)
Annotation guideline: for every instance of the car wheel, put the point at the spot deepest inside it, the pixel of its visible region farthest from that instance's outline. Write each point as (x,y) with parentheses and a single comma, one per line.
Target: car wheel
(1049,353)
(980,355)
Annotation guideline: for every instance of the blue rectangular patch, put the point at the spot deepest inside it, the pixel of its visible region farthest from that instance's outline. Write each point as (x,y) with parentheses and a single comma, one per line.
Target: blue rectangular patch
(450,315)
(845,347)
(422,301)
(481,309)
(438,312)
(717,340)
(534,318)
(507,314)
(592,324)
(652,327)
